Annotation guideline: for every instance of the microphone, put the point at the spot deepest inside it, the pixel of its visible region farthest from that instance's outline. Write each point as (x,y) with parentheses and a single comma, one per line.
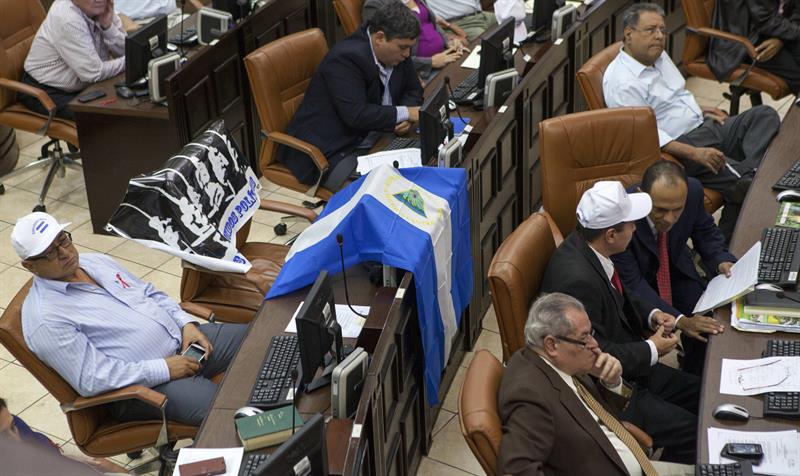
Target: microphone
(783,295)
(294,396)
(396,165)
(450,94)
(340,241)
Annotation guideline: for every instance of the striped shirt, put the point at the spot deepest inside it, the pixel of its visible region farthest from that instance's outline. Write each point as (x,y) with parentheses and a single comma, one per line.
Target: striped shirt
(103,338)
(71,51)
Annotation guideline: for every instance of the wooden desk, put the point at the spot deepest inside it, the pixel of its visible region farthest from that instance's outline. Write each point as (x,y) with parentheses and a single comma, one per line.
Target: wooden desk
(758,212)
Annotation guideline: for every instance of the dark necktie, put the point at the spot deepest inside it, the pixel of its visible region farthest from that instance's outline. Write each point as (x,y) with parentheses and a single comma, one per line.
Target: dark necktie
(664,283)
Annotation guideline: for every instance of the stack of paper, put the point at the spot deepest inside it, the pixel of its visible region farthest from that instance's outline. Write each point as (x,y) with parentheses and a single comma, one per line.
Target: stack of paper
(722,290)
(781,449)
(765,323)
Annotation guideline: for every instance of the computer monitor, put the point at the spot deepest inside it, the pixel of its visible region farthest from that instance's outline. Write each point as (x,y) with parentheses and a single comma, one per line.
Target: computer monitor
(434,123)
(318,333)
(542,18)
(237,8)
(146,43)
(496,51)
(303,454)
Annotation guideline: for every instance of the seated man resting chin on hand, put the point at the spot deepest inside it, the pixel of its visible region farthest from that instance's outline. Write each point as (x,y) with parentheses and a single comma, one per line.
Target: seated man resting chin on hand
(102,328)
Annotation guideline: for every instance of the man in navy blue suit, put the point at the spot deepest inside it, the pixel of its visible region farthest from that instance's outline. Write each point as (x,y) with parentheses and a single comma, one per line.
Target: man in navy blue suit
(661,237)
(365,85)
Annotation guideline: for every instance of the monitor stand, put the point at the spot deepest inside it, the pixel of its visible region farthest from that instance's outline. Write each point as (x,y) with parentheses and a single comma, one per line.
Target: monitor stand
(340,352)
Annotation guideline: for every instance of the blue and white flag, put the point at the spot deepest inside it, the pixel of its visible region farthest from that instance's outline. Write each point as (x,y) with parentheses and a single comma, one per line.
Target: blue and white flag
(415,219)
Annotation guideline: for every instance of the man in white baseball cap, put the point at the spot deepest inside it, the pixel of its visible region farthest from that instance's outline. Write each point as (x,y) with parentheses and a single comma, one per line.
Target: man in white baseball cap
(102,328)
(665,401)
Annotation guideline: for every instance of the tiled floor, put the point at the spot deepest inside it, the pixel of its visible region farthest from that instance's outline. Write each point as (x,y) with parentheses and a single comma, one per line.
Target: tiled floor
(449,455)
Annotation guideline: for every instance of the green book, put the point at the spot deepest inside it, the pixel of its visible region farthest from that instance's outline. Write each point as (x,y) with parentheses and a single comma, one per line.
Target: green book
(272,427)
(788,215)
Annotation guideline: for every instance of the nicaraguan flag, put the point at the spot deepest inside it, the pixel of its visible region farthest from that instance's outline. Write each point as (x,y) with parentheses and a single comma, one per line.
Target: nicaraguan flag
(415,219)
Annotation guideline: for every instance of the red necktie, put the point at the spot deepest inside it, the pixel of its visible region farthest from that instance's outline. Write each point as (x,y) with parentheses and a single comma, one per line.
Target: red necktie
(664,283)
(616,282)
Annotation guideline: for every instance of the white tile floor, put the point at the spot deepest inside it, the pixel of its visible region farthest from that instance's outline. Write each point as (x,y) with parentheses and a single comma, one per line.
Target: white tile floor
(67,201)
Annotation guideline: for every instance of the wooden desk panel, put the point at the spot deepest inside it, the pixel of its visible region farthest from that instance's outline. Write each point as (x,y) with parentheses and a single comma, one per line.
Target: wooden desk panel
(758,212)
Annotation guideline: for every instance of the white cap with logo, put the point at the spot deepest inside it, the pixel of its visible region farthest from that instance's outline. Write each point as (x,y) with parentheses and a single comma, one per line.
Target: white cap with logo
(607,204)
(34,233)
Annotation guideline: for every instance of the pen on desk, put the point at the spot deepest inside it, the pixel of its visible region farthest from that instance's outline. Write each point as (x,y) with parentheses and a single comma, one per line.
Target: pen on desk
(106,102)
(733,171)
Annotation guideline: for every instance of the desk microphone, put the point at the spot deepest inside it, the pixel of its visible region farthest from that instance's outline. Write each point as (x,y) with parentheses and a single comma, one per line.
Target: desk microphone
(294,396)
(783,295)
(450,95)
(340,241)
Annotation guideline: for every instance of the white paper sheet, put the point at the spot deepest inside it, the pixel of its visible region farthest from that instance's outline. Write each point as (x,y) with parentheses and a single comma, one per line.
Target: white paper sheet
(351,322)
(233,458)
(757,376)
(722,290)
(404,157)
(781,449)
(473,60)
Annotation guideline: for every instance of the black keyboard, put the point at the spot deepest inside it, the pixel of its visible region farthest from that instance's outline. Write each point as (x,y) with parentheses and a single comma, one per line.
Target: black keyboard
(779,261)
(189,36)
(743,468)
(466,90)
(251,462)
(274,386)
(403,143)
(782,404)
(790,179)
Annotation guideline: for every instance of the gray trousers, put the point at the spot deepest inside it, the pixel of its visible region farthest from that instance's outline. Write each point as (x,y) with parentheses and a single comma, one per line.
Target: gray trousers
(743,139)
(188,399)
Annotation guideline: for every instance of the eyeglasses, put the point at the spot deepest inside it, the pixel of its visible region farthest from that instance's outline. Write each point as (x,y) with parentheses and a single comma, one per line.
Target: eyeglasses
(583,343)
(63,240)
(652,30)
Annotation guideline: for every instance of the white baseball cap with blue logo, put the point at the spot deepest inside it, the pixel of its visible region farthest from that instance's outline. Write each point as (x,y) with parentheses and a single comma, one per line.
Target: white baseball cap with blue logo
(33,233)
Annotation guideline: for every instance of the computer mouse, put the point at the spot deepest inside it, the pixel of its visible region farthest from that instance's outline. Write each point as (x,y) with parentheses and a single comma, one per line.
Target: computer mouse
(451,105)
(729,411)
(246,412)
(789,196)
(124,92)
(769,287)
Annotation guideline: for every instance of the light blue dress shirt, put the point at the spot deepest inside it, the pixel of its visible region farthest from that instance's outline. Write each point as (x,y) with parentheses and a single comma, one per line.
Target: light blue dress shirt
(103,338)
(385,73)
(628,82)
(449,9)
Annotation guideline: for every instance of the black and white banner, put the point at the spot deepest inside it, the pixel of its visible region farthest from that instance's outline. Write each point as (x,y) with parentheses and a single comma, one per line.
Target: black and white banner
(193,207)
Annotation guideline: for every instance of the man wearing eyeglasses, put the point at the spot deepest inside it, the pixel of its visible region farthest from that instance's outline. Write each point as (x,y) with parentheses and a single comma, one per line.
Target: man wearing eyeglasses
(719,150)
(102,328)
(666,399)
(561,398)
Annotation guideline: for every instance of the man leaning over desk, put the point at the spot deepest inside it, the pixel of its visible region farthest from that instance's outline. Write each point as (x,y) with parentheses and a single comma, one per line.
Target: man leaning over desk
(79,43)
(365,85)
(102,328)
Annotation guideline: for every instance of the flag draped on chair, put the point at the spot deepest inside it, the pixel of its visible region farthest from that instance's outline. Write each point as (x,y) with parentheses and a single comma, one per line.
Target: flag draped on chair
(416,219)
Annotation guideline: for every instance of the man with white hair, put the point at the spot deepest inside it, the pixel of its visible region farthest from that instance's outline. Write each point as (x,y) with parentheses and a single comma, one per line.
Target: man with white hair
(102,328)
(665,402)
(561,396)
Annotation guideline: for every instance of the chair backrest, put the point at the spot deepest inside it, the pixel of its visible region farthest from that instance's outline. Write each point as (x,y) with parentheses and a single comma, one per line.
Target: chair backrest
(18,26)
(279,74)
(477,409)
(580,149)
(82,422)
(349,13)
(698,14)
(590,76)
(515,276)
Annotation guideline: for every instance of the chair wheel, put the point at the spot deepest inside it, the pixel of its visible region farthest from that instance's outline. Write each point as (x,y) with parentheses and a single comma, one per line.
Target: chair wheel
(40,208)
(280,229)
(2,189)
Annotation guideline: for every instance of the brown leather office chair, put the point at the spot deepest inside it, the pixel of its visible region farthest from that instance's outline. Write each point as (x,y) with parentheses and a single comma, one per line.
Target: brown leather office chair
(236,297)
(698,32)
(349,13)
(18,27)
(580,149)
(93,428)
(515,275)
(279,74)
(590,79)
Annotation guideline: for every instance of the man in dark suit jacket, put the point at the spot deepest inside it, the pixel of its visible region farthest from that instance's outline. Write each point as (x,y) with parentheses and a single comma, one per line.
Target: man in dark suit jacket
(348,97)
(550,426)
(665,401)
(677,215)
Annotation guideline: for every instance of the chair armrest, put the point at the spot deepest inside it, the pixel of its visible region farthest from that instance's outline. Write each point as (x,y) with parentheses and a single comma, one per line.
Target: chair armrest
(39,94)
(139,392)
(198,310)
(310,150)
(723,35)
(288,209)
(254,277)
(644,440)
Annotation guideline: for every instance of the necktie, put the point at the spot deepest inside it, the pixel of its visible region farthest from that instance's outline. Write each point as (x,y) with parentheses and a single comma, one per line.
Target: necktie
(664,283)
(614,425)
(616,281)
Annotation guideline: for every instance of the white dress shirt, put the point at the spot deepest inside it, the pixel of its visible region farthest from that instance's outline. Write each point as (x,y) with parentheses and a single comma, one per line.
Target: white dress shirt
(71,51)
(139,9)
(628,82)
(449,9)
(608,267)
